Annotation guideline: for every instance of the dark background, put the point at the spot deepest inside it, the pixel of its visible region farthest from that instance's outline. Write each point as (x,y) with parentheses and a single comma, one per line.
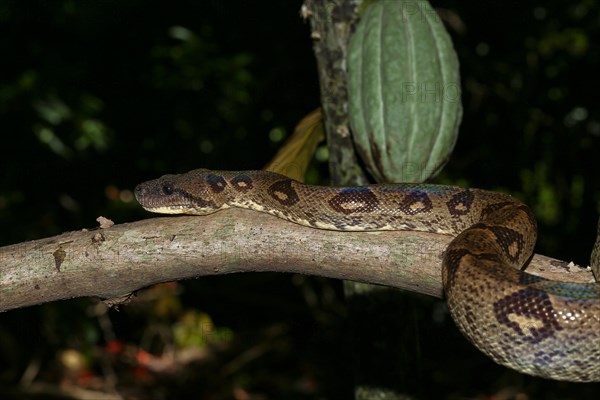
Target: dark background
(99,95)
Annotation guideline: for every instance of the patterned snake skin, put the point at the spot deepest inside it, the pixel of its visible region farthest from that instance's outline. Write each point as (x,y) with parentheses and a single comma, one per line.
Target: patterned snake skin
(534,325)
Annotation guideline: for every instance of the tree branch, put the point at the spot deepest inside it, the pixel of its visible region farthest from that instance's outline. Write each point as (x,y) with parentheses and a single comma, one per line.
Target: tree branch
(116,261)
(332,23)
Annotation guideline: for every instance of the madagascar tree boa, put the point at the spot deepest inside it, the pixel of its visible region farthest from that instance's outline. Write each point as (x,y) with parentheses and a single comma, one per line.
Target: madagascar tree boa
(536,326)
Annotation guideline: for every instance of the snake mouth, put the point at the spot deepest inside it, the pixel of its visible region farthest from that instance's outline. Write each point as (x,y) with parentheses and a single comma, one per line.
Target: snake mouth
(170,209)
(175,208)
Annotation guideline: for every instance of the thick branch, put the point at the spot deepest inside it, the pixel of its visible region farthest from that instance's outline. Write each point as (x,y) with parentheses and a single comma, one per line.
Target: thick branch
(113,262)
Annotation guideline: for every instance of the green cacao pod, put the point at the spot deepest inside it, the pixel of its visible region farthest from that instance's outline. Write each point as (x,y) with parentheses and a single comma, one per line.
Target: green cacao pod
(404,91)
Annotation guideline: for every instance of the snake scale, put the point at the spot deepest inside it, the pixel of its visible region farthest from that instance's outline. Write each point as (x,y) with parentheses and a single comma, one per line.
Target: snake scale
(534,325)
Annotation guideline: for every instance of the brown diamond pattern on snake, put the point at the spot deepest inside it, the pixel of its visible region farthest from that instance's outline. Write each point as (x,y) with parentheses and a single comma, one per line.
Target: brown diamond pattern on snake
(416,202)
(529,313)
(510,241)
(242,183)
(453,259)
(530,215)
(494,207)
(460,203)
(216,182)
(283,192)
(354,200)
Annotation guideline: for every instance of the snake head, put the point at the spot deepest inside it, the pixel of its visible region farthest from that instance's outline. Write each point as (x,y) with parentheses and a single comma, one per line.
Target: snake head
(197,192)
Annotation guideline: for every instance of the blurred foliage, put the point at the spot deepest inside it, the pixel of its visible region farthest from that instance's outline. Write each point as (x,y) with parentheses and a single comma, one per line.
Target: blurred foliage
(98,95)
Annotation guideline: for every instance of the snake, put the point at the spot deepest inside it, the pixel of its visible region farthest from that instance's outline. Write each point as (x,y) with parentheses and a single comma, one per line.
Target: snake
(536,326)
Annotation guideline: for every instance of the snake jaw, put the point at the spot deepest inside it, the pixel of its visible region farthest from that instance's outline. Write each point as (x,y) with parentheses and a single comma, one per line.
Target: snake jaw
(182,210)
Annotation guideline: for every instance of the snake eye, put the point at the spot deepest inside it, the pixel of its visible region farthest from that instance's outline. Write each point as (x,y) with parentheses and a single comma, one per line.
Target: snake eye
(167,189)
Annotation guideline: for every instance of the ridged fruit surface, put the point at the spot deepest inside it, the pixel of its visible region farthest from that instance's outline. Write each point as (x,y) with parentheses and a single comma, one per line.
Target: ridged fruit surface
(404,91)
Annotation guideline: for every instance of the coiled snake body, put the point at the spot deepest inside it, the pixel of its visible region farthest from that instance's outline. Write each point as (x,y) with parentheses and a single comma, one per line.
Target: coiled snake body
(534,325)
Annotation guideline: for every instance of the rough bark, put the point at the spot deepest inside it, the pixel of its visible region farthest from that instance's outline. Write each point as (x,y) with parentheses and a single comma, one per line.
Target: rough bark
(332,22)
(114,262)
